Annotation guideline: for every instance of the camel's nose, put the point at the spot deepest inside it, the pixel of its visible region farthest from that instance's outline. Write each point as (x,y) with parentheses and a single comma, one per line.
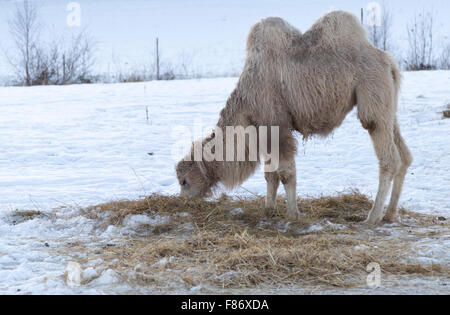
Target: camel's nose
(188,193)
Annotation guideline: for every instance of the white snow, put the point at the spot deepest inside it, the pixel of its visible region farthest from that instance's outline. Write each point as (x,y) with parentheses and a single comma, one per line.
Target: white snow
(325,225)
(236,211)
(108,277)
(72,146)
(134,221)
(89,273)
(164,261)
(86,144)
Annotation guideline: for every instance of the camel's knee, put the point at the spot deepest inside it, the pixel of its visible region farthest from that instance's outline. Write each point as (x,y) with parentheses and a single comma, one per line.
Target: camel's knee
(403,149)
(391,163)
(287,172)
(391,167)
(271,177)
(387,150)
(287,177)
(407,158)
(406,161)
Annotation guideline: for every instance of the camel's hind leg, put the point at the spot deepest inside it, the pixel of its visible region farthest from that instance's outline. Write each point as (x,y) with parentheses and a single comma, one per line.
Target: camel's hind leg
(389,164)
(406,158)
(378,118)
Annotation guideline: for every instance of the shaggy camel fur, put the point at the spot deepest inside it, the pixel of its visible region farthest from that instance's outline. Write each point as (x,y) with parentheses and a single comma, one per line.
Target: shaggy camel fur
(308,83)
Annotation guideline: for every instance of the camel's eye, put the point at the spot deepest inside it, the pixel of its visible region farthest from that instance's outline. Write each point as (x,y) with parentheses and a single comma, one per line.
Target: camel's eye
(183,183)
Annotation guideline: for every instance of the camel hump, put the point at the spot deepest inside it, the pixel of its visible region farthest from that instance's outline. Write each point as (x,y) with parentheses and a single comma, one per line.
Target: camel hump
(272,34)
(339,25)
(276,36)
(341,15)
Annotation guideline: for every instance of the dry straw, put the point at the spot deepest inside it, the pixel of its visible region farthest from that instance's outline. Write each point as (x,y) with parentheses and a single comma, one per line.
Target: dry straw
(236,243)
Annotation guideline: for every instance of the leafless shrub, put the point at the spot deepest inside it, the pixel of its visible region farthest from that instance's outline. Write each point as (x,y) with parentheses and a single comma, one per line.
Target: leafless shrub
(168,72)
(185,63)
(444,60)
(77,60)
(24,27)
(132,77)
(156,69)
(64,61)
(420,40)
(381,35)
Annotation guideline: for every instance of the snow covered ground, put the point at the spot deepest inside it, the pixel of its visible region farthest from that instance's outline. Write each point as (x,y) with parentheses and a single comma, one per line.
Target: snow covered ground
(69,146)
(85,144)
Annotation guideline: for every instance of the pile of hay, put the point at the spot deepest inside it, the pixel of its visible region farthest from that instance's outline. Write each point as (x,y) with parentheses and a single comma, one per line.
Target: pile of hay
(236,243)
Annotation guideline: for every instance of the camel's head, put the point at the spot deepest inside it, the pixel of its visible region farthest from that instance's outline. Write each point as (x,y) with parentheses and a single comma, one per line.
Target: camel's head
(193,180)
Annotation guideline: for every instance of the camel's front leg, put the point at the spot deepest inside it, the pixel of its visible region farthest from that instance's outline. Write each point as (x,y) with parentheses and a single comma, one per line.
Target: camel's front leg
(273,181)
(287,174)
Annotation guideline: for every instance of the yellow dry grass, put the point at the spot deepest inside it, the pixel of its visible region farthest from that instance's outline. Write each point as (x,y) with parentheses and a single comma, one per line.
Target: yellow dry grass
(219,246)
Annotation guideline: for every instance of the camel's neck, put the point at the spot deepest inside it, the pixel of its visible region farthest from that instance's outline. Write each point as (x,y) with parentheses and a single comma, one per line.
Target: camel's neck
(231,115)
(223,164)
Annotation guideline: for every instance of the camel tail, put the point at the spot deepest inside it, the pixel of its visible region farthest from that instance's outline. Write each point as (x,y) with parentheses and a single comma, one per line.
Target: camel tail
(397,79)
(396,75)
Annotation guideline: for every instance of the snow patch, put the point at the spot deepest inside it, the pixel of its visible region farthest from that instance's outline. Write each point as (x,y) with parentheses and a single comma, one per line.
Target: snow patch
(236,211)
(108,277)
(135,221)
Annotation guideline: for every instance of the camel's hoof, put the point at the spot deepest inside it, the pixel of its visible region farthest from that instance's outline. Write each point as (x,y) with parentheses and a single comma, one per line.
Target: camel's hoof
(389,220)
(270,211)
(270,204)
(390,217)
(370,223)
(293,215)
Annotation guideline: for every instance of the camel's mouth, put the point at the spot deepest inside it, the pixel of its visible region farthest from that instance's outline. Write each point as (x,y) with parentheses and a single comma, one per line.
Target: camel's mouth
(186,192)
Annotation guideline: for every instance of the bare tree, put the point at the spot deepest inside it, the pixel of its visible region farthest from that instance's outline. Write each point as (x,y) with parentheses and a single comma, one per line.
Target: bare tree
(157,59)
(444,60)
(77,59)
(24,27)
(386,29)
(420,40)
(381,35)
(64,61)
(59,61)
